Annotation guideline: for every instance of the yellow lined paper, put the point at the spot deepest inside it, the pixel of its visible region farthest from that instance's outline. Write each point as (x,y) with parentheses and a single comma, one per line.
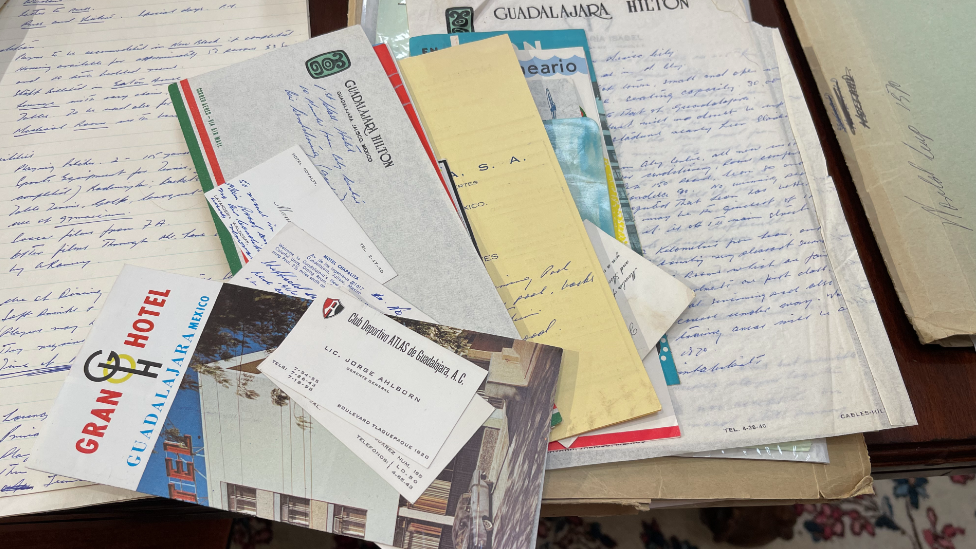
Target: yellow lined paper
(481,118)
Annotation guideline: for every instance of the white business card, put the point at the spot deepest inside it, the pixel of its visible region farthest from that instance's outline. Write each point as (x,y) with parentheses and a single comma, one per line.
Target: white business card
(402,473)
(374,373)
(293,263)
(289,188)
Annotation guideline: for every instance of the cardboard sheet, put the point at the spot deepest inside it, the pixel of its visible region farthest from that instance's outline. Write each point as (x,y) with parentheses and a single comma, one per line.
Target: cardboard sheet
(893,81)
(481,118)
(613,488)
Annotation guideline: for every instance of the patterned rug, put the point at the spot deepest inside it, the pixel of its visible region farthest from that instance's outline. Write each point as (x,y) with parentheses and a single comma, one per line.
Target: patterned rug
(921,513)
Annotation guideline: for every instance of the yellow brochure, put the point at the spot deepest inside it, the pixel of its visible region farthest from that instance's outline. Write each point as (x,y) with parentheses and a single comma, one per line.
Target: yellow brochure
(481,119)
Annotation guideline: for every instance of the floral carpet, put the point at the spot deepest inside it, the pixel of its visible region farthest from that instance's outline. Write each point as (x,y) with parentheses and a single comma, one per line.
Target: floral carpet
(921,513)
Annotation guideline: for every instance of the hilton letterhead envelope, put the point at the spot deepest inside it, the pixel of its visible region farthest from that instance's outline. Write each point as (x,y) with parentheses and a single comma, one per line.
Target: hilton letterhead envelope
(332,97)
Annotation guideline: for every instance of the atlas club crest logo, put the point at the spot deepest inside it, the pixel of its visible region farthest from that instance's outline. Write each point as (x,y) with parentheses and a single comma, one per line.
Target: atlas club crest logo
(331,307)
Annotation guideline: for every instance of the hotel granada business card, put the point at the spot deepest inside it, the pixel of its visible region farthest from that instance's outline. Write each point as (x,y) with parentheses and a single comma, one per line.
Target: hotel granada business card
(376,374)
(118,393)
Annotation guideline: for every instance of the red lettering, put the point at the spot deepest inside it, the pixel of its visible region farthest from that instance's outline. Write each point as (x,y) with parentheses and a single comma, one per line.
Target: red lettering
(145,311)
(162,294)
(155,302)
(142,322)
(104,414)
(88,447)
(107,396)
(136,340)
(94,430)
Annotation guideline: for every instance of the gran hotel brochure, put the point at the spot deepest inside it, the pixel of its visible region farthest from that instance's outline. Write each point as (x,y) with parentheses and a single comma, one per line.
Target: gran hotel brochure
(210,428)
(332,97)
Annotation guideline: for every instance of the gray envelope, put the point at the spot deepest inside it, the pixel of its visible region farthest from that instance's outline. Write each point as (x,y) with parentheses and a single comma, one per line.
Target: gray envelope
(332,96)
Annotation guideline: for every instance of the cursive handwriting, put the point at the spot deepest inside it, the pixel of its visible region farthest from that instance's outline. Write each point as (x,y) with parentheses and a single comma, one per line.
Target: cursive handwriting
(94,173)
(944,210)
(855,99)
(720,198)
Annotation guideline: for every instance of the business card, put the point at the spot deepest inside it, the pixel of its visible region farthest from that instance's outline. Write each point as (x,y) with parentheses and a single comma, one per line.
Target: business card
(376,374)
(402,473)
(289,188)
(293,263)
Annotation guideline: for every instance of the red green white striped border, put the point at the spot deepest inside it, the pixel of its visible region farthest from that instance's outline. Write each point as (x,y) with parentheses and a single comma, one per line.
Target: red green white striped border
(204,159)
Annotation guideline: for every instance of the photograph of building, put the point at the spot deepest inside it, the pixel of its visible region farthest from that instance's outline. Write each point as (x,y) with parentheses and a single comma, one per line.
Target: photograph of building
(488,495)
(265,456)
(309,513)
(234,440)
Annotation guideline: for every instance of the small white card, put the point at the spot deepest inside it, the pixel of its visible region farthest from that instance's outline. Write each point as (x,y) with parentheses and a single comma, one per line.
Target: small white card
(650,299)
(293,263)
(288,187)
(404,474)
(376,374)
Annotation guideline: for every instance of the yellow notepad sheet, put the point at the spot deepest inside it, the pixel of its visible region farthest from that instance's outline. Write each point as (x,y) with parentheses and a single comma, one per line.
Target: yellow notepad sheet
(480,116)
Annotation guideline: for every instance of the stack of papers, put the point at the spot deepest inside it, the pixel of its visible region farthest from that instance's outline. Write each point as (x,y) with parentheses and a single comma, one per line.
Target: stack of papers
(783,340)
(424,282)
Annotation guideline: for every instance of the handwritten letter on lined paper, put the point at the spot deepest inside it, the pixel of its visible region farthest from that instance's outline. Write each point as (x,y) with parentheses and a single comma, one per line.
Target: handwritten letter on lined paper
(94,173)
(725,208)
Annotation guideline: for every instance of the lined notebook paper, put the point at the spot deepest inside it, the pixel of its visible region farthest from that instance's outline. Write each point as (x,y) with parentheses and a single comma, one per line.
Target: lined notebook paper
(94,173)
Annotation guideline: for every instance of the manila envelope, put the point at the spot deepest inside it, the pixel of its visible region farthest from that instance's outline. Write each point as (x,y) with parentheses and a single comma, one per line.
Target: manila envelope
(480,116)
(629,487)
